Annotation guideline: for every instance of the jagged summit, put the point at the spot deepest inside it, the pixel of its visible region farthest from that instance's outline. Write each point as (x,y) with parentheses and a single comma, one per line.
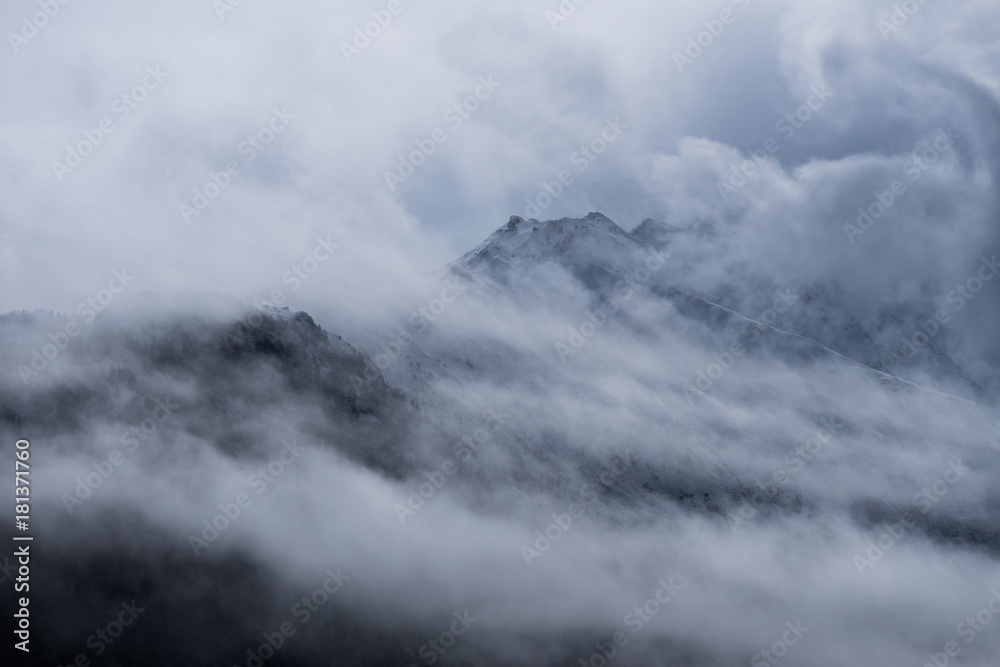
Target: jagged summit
(577,243)
(595,218)
(592,222)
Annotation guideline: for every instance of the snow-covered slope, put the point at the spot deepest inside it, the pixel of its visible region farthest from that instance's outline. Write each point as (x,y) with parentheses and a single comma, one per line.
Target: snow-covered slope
(568,321)
(563,421)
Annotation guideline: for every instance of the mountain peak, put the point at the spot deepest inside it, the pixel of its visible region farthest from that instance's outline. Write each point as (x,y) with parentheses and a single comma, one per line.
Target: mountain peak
(594,218)
(597,217)
(592,248)
(530,239)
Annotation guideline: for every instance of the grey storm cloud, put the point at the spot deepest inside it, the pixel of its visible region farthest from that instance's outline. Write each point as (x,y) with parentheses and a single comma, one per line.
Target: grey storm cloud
(226,71)
(334,158)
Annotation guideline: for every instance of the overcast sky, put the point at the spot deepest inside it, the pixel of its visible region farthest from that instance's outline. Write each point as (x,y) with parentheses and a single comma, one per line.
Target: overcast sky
(200,78)
(198,146)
